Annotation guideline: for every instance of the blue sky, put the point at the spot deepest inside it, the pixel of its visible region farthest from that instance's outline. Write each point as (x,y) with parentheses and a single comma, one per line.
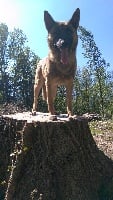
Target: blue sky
(96,16)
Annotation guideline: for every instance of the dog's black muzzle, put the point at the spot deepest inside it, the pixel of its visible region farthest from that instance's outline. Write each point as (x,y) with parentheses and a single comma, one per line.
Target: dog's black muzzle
(61,45)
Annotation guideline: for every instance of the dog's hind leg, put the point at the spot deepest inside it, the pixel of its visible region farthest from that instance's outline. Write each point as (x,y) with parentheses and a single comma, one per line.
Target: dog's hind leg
(44,94)
(69,90)
(54,91)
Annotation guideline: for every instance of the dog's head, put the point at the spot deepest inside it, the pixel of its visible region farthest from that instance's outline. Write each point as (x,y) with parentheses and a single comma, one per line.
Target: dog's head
(62,36)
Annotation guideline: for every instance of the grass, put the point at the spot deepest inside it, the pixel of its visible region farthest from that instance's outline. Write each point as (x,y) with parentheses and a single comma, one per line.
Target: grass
(101,127)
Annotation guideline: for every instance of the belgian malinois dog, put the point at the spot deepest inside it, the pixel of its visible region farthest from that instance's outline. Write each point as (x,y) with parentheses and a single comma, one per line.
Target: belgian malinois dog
(60,65)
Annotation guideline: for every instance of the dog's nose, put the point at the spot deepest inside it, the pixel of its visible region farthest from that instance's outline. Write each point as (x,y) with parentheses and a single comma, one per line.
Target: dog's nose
(59,43)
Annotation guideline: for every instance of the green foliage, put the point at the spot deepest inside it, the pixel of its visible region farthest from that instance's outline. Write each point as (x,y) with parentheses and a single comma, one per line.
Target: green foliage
(17,66)
(16,43)
(42,105)
(3,61)
(1,97)
(60,104)
(93,84)
(60,101)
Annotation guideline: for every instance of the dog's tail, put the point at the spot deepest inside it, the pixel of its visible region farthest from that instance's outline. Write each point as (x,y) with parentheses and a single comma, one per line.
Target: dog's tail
(44,94)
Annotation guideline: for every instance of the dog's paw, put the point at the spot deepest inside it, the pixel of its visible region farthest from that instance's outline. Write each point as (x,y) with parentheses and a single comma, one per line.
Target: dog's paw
(70,114)
(53,117)
(33,112)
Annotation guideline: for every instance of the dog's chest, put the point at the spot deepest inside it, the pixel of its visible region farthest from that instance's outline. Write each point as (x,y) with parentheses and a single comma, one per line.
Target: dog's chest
(60,71)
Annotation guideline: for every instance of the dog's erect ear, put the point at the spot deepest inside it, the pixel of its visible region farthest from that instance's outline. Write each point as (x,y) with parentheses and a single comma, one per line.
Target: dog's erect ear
(49,21)
(74,21)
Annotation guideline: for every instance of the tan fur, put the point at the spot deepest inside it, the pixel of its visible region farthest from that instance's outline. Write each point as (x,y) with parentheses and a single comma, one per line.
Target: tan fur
(60,65)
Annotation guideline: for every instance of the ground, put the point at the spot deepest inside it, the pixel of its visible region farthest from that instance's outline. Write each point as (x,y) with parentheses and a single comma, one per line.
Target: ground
(102,130)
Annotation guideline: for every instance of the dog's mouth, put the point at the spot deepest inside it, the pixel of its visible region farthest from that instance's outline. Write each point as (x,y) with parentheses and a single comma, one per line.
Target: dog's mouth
(64,56)
(60,44)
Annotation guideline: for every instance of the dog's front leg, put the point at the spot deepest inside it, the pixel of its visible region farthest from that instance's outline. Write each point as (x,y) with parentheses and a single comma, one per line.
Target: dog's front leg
(50,99)
(69,90)
(39,81)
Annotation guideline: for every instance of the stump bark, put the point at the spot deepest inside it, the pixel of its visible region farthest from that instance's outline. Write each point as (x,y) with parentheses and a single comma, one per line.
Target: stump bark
(56,160)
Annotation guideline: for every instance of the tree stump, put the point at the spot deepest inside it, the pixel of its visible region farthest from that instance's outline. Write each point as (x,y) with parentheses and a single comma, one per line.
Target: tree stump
(55,160)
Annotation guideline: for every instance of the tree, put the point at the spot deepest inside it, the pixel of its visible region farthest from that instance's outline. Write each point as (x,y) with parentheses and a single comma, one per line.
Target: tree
(16,44)
(97,69)
(24,77)
(17,67)
(4,78)
(22,65)
(86,87)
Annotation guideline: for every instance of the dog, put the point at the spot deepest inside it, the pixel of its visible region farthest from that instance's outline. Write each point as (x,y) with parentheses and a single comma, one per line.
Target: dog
(60,65)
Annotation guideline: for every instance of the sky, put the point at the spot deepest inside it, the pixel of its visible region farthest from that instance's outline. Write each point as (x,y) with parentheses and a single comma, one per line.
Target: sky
(96,16)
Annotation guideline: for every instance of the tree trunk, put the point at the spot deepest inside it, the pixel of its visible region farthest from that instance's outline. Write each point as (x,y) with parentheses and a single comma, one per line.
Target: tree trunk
(56,160)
